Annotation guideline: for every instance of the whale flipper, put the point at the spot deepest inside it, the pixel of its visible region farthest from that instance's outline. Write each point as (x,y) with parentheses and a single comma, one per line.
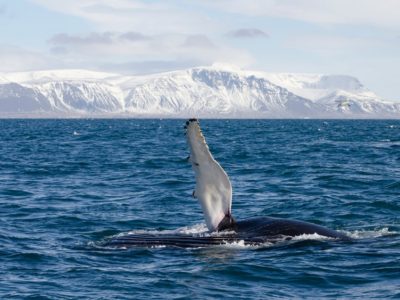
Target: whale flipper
(213,188)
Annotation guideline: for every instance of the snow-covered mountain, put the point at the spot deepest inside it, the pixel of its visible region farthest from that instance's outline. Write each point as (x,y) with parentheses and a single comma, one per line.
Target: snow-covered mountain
(202,92)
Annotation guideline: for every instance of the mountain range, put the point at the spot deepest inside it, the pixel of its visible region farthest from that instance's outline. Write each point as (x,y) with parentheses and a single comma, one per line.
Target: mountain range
(212,92)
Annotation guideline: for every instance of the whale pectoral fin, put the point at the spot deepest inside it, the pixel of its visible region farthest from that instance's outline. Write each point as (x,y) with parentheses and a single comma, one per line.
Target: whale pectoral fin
(213,188)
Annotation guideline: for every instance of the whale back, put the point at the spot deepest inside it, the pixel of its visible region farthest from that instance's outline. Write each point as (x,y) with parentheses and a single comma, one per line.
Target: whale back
(254,231)
(269,227)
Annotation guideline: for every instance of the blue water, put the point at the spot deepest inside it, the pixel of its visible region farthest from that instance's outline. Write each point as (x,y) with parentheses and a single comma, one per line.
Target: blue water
(66,185)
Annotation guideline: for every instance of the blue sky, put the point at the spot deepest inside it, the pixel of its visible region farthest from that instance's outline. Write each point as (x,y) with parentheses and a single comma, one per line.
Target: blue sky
(358,37)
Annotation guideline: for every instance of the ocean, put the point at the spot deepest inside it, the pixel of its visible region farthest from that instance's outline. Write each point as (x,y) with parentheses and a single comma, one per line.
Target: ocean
(68,185)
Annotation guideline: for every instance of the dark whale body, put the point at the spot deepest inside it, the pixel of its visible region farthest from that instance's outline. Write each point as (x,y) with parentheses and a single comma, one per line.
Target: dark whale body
(255,231)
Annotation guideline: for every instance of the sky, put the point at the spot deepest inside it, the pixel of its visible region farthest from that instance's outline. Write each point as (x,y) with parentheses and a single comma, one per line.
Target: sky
(359,37)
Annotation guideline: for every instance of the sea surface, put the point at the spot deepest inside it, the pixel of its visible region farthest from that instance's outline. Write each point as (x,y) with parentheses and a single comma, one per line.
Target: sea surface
(66,186)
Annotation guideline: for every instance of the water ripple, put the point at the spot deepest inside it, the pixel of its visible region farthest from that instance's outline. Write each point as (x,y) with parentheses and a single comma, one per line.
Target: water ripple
(66,185)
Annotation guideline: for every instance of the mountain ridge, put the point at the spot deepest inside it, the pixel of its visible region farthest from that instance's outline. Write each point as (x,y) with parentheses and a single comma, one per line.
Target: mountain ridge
(213,92)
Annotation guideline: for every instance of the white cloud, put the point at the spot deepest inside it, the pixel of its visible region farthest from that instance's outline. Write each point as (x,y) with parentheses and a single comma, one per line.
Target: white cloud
(148,66)
(134,15)
(115,48)
(140,33)
(363,12)
(15,59)
(334,44)
(198,41)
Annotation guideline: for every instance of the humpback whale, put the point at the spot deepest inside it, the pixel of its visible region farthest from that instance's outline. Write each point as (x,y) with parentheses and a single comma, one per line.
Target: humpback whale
(214,192)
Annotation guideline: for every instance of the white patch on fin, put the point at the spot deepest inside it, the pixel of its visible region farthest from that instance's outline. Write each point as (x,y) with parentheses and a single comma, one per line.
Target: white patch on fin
(213,188)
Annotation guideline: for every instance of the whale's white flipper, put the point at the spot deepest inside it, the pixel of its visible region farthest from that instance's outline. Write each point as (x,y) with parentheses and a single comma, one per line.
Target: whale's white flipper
(213,188)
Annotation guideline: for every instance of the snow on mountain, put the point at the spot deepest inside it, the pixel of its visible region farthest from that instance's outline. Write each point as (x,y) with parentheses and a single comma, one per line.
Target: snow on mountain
(60,92)
(3,80)
(348,103)
(204,92)
(315,86)
(82,96)
(208,92)
(338,95)
(15,98)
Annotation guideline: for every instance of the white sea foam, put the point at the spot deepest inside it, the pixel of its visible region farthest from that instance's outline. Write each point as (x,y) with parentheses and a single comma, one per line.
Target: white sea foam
(313,237)
(158,246)
(365,234)
(197,229)
(200,228)
(241,244)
